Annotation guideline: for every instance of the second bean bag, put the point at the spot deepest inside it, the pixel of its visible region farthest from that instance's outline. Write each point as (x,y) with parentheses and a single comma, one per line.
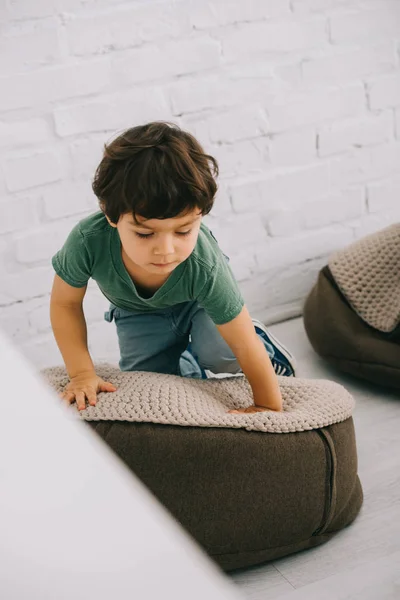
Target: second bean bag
(352,314)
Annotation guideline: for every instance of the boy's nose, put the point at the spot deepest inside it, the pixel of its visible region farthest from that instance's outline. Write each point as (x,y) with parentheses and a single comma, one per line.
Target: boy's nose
(163,250)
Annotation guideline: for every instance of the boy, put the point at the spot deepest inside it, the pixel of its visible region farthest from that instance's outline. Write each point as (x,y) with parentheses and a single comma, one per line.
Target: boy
(163,272)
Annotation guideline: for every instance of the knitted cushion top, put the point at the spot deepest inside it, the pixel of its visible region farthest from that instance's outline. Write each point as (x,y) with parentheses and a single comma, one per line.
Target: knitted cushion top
(368,274)
(172,400)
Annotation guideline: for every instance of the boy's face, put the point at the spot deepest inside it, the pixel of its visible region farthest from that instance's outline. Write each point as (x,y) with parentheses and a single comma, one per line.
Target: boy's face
(159,245)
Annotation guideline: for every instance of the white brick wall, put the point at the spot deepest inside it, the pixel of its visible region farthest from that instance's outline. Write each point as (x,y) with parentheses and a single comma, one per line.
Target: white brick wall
(299,100)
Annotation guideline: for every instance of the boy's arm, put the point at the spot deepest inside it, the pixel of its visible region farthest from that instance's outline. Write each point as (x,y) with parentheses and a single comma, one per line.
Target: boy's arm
(69,327)
(254,361)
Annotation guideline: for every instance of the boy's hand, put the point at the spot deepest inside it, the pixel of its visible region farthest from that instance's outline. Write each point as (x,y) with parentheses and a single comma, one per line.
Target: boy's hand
(252,409)
(85,385)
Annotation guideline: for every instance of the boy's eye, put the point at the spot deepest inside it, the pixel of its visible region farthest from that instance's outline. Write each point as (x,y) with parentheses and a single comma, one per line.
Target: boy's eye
(147,235)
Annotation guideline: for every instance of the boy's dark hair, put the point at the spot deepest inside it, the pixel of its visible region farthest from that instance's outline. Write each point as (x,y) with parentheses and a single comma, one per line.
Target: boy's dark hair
(156,171)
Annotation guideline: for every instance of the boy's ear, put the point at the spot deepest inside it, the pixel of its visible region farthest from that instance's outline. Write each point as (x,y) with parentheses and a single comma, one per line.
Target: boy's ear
(108,219)
(110,222)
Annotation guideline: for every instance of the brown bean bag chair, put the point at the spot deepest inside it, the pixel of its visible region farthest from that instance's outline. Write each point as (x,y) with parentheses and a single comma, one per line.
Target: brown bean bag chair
(249,488)
(352,314)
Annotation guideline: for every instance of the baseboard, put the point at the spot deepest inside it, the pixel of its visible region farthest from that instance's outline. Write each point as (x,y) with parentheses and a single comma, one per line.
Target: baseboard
(277,314)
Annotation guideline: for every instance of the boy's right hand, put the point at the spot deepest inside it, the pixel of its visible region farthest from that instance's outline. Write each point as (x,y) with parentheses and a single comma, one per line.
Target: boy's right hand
(85,385)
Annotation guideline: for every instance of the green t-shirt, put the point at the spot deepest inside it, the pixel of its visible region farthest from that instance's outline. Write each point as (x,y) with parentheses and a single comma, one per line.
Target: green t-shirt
(93,250)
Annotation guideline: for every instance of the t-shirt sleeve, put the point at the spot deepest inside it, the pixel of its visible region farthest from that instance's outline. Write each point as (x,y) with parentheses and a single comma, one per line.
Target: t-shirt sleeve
(221,297)
(72,263)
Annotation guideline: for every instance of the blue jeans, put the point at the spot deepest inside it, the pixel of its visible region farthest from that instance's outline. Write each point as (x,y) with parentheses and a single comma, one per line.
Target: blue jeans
(158,340)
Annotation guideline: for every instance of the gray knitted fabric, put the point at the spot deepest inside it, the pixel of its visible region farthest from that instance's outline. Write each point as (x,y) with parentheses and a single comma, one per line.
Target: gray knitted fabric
(368,274)
(168,399)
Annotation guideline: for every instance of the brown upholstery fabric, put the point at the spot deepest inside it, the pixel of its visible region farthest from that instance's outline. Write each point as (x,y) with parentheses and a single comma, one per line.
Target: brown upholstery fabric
(338,334)
(245,496)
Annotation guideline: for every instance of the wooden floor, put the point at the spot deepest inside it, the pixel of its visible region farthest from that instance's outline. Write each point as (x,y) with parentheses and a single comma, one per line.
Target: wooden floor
(363,561)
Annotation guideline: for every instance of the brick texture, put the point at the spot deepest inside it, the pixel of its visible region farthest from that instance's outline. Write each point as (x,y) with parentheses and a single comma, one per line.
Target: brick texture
(299,101)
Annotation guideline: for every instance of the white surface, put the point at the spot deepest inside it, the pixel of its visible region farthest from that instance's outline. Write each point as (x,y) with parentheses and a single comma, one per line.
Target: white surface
(74,522)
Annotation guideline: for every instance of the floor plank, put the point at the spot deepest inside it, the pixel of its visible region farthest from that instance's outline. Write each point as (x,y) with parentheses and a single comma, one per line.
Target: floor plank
(261,582)
(377,580)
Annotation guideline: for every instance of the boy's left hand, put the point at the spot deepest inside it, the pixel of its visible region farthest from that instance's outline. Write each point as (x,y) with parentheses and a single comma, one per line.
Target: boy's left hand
(250,409)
